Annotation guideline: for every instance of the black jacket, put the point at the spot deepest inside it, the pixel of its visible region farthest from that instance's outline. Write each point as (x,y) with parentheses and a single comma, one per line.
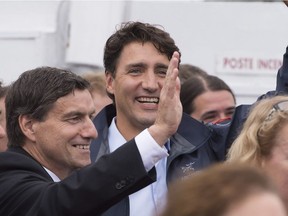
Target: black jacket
(27,189)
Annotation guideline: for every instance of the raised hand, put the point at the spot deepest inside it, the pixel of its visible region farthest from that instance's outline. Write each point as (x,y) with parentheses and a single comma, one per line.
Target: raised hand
(169,108)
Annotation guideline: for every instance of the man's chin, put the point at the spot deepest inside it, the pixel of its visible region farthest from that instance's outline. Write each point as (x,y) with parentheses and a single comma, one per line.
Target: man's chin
(82,164)
(147,122)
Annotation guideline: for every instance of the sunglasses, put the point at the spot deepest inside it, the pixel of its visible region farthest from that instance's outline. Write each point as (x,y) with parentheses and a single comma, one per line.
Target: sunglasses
(280,106)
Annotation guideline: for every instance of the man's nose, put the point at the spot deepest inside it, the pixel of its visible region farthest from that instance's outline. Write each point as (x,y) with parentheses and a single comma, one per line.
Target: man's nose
(150,82)
(89,130)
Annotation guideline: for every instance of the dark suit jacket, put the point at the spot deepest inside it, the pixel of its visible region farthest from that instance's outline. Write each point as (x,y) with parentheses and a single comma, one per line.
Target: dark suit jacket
(27,189)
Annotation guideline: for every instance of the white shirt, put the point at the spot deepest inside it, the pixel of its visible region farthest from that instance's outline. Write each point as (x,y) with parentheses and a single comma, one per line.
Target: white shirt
(52,175)
(151,200)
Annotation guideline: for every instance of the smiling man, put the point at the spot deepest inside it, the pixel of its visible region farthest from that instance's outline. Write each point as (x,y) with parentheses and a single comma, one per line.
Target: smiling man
(135,74)
(136,59)
(45,170)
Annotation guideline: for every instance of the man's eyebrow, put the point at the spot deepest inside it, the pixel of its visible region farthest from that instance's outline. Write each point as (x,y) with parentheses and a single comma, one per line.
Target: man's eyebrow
(136,65)
(72,113)
(140,64)
(209,113)
(231,108)
(160,65)
(77,113)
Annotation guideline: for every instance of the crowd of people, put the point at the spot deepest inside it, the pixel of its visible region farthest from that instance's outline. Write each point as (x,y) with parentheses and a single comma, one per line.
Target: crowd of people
(167,139)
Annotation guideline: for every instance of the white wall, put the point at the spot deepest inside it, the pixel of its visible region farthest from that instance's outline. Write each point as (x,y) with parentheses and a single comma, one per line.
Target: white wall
(91,23)
(34,33)
(206,31)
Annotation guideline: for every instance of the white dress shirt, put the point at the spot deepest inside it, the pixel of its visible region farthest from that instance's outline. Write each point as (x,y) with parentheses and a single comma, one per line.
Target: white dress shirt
(150,200)
(52,175)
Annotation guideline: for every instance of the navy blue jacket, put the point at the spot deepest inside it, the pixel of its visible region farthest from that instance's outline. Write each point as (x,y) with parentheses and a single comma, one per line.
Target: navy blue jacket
(194,146)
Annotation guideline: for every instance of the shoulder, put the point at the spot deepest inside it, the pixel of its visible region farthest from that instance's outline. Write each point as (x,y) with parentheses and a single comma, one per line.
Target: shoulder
(17,161)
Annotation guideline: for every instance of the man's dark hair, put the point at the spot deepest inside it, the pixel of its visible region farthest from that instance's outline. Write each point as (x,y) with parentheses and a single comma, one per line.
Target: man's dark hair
(34,93)
(187,70)
(136,32)
(197,85)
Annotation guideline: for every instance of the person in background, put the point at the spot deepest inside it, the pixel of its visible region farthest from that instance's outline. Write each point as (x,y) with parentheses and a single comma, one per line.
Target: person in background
(98,89)
(225,190)
(188,70)
(46,169)
(207,98)
(263,141)
(3,134)
(241,112)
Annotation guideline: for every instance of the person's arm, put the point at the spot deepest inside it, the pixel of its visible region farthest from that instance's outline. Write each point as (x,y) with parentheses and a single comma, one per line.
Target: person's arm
(282,75)
(106,182)
(26,188)
(95,188)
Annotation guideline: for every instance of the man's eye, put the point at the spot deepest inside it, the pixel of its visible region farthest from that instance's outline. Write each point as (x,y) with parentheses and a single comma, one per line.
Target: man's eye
(135,71)
(230,112)
(209,119)
(162,72)
(74,119)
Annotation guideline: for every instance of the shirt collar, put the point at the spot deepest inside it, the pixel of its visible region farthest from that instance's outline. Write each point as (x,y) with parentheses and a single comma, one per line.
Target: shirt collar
(52,175)
(115,137)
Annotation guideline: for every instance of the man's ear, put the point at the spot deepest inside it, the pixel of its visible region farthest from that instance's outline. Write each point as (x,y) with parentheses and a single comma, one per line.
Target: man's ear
(26,124)
(109,83)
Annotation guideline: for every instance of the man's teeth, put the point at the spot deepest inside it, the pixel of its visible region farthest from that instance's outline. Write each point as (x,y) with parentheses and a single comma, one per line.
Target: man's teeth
(85,147)
(148,100)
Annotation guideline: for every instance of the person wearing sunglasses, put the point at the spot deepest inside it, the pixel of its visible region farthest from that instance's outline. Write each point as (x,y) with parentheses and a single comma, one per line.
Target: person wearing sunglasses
(263,141)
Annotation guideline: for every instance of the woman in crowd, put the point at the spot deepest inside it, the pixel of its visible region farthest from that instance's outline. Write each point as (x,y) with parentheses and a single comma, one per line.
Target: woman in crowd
(263,141)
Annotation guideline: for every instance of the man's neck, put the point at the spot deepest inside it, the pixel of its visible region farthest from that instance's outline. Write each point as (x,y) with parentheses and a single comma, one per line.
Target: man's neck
(127,130)
(60,172)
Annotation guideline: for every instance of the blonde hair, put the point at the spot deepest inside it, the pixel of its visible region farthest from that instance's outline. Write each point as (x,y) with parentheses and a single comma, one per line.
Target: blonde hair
(257,138)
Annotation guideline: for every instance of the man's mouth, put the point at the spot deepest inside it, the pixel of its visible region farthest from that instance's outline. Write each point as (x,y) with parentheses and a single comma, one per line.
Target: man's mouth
(82,146)
(148,100)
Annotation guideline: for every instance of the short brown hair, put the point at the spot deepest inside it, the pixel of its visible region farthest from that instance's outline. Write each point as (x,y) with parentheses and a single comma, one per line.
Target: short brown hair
(214,190)
(136,32)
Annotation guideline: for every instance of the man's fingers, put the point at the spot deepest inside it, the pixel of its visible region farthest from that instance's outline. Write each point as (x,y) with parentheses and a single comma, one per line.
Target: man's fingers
(173,62)
(171,85)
